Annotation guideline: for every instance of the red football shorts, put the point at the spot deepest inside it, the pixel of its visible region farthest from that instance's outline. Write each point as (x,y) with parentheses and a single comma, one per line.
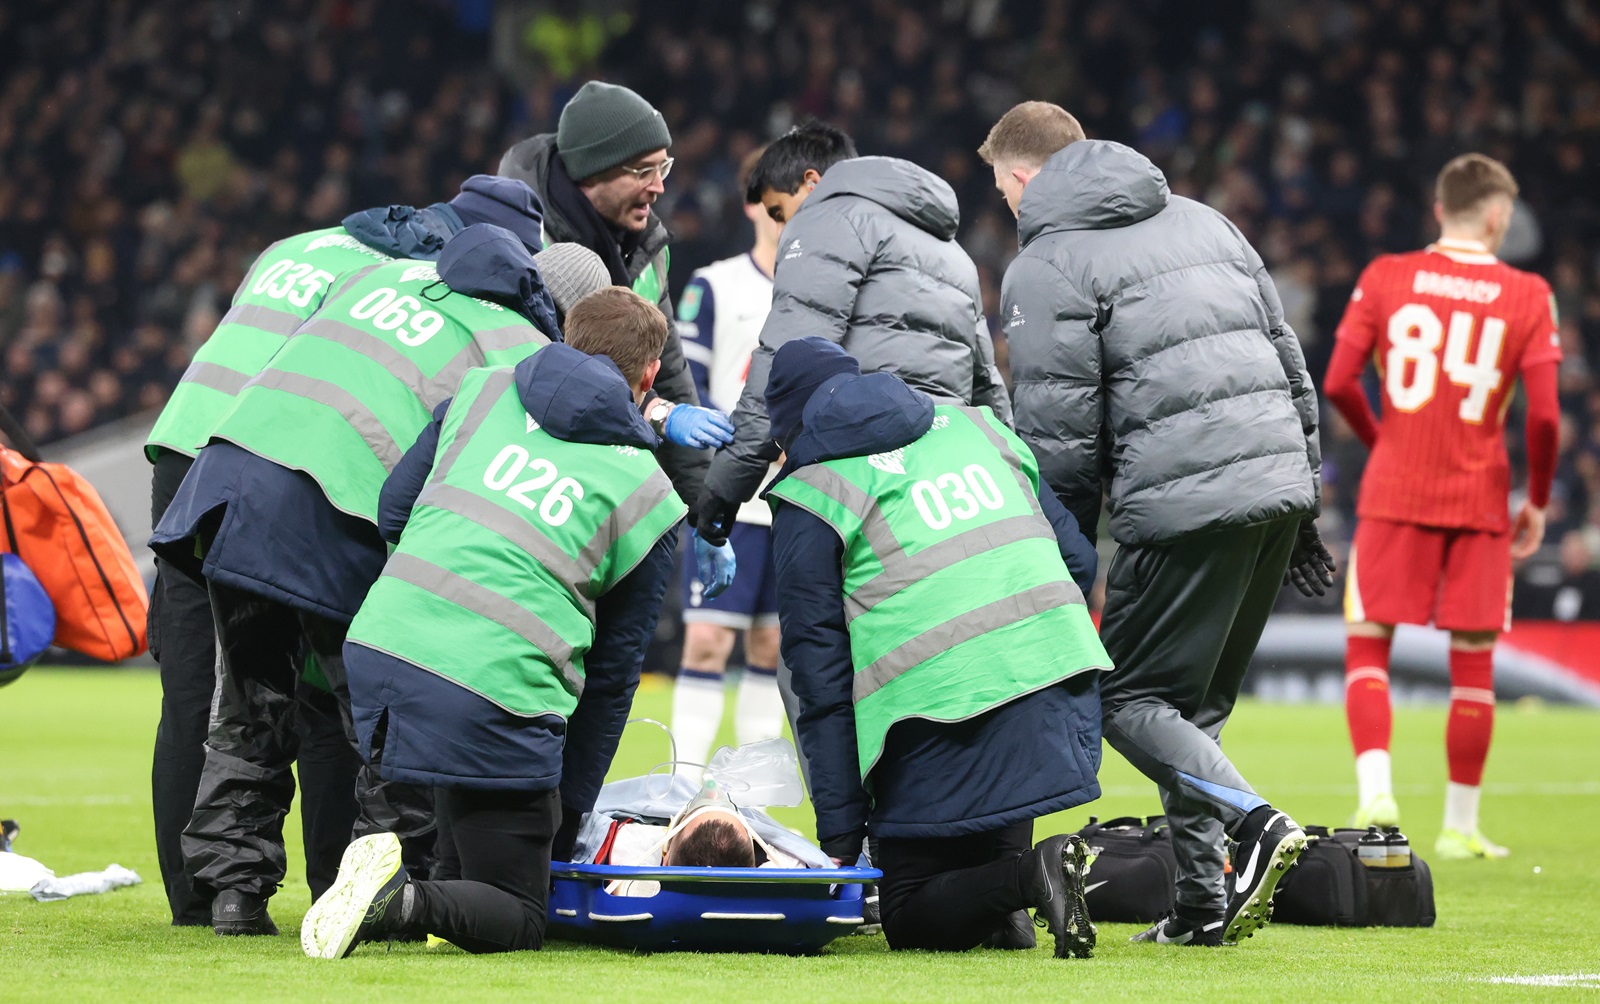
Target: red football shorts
(1405,573)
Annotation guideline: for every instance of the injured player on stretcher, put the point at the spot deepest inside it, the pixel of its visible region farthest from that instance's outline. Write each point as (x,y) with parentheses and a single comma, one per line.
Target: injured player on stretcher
(661,819)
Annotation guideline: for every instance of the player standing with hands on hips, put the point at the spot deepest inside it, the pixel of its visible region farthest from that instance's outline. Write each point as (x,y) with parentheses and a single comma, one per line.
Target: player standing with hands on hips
(1450,327)
(1148,345)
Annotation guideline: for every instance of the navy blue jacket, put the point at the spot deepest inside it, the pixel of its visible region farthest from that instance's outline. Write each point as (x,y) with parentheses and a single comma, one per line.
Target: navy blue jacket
(421,728)
(270,530)
(1035,755)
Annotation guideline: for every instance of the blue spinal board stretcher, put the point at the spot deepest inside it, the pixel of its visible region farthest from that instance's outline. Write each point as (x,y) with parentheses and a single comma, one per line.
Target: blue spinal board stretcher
(785,910)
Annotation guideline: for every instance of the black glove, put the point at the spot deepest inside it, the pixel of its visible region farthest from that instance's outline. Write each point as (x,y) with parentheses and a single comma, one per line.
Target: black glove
(715,518)
(1311,567)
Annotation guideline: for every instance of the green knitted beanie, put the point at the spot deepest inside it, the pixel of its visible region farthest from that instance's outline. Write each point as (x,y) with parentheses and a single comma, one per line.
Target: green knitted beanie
(605,125)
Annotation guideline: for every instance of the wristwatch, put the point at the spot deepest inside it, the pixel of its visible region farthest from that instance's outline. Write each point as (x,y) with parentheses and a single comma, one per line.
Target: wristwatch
(656,413)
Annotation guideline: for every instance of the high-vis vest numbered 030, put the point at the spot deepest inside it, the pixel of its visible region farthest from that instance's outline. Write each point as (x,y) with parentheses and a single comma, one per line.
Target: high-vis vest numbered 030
(351,391)
(955,593)
(513,538)
(285,286)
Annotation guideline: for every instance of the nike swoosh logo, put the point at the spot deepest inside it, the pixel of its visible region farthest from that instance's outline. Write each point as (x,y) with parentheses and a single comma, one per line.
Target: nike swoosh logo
(1241,880)
(1091,888)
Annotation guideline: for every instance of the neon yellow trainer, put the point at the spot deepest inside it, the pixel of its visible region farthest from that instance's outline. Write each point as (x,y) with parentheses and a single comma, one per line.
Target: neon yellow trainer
(1454,845)
(1380,810)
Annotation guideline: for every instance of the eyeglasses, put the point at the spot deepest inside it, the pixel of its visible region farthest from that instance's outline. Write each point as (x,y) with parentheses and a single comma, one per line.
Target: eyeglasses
(643,173)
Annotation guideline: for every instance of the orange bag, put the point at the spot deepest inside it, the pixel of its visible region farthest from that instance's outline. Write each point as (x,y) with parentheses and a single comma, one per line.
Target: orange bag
(56,523)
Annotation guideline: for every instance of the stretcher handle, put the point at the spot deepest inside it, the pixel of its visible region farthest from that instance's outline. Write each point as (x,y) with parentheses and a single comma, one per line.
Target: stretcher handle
(751,876)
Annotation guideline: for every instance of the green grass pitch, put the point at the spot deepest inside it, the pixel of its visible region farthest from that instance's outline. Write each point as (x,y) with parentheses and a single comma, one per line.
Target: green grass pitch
(74,769)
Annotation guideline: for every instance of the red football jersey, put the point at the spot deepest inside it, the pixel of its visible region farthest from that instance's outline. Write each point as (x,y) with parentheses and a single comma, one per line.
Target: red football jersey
(1449,328)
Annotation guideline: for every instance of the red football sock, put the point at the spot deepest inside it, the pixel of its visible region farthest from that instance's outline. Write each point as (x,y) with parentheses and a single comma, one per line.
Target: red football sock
(1366,693)
(1466,737)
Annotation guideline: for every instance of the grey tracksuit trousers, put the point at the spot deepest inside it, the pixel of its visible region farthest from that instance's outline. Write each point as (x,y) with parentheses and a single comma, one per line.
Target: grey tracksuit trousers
(1181,622)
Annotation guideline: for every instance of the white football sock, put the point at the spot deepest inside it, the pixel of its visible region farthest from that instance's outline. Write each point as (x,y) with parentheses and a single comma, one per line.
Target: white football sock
(697,701)
(1461,807)
(759,713)
(1373,776)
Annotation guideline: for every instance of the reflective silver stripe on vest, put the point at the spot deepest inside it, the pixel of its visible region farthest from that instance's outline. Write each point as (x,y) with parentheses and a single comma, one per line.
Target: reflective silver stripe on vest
(958,629)
(345,403)
(429,390)
(874,526)
(269,319)
(903,570)
(488,396)
(640,503)
(485,602)
(509,337)
(215,376)
(519,531)
(1012,460)
(351,280)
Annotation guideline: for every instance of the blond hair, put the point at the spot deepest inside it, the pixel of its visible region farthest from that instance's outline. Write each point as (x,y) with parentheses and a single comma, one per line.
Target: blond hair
(1029,133)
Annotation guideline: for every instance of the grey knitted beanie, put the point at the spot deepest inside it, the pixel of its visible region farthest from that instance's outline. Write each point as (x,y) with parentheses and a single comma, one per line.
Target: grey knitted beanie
(571,272)
(605,125)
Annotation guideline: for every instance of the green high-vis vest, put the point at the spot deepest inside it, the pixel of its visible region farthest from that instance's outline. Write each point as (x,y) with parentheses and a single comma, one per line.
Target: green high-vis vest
(513,538)
(285,286)
(350,392)
(955,594)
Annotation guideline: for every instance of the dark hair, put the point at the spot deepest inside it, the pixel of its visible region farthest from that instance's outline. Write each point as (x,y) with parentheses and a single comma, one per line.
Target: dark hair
(747,167)
(716,843)
(618,323)
(809,146)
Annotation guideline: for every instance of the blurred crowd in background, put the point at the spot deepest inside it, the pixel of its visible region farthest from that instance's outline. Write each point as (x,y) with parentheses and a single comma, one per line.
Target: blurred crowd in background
(149,150)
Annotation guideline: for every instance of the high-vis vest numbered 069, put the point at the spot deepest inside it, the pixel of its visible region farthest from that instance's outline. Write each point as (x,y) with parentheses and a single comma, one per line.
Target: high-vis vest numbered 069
(285,286)
(351,391)
(513,538)
(955,593)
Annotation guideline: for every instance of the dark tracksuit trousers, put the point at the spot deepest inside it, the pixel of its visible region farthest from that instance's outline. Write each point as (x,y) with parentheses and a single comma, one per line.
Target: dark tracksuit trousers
(952,893)
(1181,622)
(264,719)
(497,846)
(183,640)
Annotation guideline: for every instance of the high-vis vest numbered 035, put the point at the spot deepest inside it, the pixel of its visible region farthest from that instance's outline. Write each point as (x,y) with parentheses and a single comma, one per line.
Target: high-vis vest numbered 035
(285,286)
(351,391)
(513,538)
(954,589)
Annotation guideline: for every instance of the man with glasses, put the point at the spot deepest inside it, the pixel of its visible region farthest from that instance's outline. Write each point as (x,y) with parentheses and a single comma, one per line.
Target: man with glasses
(598,176)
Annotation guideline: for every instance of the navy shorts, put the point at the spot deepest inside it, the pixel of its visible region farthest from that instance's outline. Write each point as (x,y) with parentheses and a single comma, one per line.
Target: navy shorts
(752,600)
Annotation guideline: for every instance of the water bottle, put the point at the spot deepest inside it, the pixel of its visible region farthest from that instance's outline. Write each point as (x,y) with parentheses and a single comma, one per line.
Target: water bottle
(1373,849)
(1398,848)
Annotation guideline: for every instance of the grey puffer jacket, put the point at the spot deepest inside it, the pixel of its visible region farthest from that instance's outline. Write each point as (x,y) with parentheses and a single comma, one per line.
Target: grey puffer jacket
(529,162)
(1148,347)
(870,261)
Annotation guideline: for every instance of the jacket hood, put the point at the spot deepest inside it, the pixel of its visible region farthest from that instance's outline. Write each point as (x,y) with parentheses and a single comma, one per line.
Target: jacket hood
(505,202)
(581,398)
(914,194)
(405,232)
(490,262)
(856,416)
(1091,185)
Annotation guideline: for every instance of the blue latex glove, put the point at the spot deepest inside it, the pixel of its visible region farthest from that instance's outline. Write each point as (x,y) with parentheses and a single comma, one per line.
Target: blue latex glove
(697,428)
(715,563)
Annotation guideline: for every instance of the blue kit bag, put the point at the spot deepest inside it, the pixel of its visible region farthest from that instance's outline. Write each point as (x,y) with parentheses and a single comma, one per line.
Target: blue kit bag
(27,618)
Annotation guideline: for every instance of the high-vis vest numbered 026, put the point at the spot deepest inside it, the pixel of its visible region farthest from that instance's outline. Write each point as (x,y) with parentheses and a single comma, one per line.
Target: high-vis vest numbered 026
(285,286)
(513,538)
(955,593)
(351,391)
